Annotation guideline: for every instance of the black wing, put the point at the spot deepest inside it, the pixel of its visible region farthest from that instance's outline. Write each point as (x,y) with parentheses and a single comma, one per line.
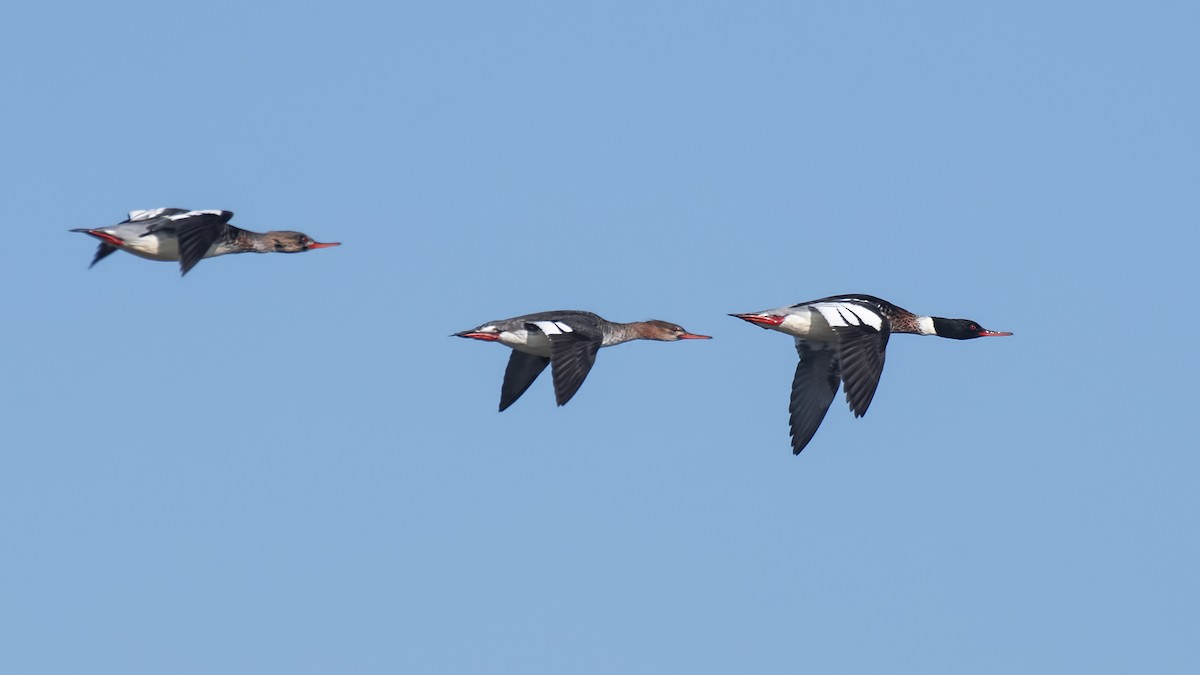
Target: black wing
(103,252)
(522,370)
(813,389)
(861,351)
(197,233)
(571,357)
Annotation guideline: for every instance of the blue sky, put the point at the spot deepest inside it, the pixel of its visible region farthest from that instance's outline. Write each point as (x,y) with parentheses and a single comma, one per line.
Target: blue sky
(282,464)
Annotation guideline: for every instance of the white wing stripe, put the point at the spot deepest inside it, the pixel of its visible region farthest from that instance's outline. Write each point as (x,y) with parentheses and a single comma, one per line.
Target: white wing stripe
(553,327)
(846,314)
(193,214)
(145,214)
(867,316)
(548,327)
(831,315)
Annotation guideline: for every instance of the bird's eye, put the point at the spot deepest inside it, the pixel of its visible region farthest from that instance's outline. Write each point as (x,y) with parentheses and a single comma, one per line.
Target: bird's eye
(974,327)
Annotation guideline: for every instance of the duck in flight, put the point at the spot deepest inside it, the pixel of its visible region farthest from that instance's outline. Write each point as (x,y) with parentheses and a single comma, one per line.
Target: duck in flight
(567,340)
(190,236)
(842,340)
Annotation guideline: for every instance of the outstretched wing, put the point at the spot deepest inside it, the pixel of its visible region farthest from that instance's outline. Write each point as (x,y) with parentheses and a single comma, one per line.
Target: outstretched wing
(813,389)
(102,252)
(861,351)
(522,370)
(573,350)
(862,330)
(197,231)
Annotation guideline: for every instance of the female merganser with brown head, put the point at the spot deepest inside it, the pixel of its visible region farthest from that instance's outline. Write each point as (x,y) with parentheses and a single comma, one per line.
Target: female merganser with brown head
(567,340)
(190,236)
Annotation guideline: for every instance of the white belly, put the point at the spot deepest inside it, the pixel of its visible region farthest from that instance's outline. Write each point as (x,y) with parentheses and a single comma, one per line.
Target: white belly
(796,324)
(816,323)
(160,247)
(154,247)
(523,340)
(808,324)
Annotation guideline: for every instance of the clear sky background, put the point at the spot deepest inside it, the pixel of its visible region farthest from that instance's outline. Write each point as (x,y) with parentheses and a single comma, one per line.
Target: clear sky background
(282,464)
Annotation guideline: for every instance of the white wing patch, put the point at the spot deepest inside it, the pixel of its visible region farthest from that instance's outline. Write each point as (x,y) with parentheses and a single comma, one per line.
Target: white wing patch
(553,327)
(847,314)
(146,214)
(193,214)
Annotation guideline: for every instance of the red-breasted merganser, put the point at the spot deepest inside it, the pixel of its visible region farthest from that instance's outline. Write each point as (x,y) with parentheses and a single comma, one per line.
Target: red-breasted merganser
(841,339)
(190,236)
(567,340)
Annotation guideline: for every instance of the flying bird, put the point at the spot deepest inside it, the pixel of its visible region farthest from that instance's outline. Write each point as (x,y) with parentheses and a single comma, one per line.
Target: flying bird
(567,340)
(190,236)
(842,340)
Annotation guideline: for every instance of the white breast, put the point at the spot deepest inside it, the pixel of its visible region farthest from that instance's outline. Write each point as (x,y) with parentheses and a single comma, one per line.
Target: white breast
(162,246)
(523,340)
(807,323)
(796,323)
(154,246)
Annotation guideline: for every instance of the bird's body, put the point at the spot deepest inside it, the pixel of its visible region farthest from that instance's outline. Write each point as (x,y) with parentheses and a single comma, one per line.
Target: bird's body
(842,340)
(567,340)
(191,236)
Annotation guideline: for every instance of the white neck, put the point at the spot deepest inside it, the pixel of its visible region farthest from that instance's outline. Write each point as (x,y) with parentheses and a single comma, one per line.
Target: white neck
(925,325)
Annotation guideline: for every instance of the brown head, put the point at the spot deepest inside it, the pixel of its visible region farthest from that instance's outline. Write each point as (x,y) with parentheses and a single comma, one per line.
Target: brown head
(667,332)
(284,241)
